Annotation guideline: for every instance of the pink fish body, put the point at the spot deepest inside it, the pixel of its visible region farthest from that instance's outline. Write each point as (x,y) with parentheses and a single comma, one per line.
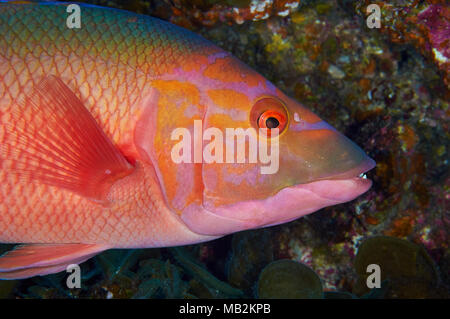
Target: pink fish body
(87,122)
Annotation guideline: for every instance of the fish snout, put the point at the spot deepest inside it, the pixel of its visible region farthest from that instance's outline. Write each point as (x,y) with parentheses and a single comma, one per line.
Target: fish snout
(322,153)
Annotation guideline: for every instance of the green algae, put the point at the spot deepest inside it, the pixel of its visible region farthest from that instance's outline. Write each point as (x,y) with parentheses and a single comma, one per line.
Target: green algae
(191,266)
(114,262)
(407,267)
(160,280)
(289,279)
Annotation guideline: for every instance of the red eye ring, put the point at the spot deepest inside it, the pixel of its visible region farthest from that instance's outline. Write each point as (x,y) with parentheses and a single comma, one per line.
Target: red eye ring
(271,119)
(269,113)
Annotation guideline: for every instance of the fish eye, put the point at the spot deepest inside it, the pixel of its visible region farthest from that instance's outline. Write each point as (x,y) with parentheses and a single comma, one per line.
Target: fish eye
(270,120)
(269,113)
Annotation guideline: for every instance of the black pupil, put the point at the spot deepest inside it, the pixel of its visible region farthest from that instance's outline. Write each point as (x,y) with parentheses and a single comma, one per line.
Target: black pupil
(272,122)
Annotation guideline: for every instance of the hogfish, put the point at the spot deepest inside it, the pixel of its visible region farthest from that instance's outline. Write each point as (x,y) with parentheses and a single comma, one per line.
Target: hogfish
(87,121)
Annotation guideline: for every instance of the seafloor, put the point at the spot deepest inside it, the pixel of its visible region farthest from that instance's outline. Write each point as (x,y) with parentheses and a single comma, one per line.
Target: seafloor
(387,89)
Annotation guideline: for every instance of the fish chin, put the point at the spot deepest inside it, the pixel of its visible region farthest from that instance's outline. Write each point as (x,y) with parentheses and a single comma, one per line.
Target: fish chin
(288,204)
(318,195)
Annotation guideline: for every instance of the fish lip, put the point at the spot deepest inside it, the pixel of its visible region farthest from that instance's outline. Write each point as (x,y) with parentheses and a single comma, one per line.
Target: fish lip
(342,187)
(291,203)
(338,190)
(362,168)
(334,191)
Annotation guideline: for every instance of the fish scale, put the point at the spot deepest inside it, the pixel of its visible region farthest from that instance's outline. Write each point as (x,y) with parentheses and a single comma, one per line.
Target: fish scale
(97,60)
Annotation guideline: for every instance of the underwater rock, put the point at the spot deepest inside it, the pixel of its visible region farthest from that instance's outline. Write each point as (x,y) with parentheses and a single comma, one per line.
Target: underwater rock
(437,19)
(211,12)
(424,24)
(289,279)
(251,251)
(406,267)
(335,72)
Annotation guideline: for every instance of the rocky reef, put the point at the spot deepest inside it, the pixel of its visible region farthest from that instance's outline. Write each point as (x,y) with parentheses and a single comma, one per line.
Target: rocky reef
(385,88)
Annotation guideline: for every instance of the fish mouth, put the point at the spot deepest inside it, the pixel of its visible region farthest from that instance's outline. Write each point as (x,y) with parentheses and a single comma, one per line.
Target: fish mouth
(335,186)
(288,204)
(333,190)
(298,200)
(356,172)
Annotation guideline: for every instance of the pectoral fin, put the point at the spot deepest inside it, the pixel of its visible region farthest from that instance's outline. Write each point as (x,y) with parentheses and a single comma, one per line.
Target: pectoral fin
(41,259)
(52,138)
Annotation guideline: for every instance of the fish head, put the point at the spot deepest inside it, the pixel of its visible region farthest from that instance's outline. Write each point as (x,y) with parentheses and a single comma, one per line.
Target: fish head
(254,156)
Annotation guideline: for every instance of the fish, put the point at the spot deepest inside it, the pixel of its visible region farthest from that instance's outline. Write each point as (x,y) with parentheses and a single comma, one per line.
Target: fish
(89,115)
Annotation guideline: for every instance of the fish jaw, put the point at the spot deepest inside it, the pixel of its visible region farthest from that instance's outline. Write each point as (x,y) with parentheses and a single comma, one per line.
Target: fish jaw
(324,193)
(288,204)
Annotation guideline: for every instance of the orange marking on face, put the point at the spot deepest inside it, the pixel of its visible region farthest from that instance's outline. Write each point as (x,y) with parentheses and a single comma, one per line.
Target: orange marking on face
(173,88)
(175,97)
(196,194)
(224,176)
(229,69)
(230,99)
(225,121)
